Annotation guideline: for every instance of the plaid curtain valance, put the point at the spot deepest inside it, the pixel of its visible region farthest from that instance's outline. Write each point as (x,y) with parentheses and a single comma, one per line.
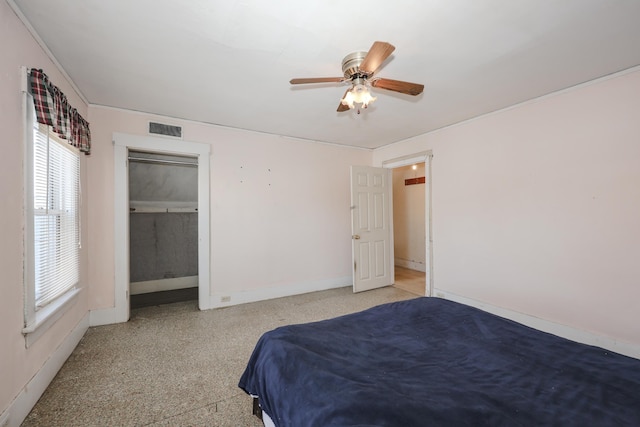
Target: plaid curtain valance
(53,109)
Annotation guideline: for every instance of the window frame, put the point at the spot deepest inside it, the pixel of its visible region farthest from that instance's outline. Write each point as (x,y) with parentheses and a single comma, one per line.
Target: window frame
(38,320)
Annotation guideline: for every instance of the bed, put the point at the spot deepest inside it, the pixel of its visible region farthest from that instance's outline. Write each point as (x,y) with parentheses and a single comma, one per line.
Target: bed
(430,361)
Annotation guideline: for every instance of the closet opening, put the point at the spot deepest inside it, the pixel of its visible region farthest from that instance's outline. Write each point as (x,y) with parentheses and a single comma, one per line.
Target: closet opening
(163,228)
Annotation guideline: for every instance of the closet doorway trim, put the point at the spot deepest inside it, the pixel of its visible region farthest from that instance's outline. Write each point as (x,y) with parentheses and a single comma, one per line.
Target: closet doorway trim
(122,144)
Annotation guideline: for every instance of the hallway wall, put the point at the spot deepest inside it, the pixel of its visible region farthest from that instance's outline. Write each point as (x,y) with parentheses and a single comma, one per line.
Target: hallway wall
(409,234)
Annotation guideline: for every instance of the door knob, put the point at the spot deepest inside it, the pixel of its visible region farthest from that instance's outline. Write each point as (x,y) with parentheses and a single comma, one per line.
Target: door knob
(355,237)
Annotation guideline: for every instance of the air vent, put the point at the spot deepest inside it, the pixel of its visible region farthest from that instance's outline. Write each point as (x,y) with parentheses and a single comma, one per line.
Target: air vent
(166,130)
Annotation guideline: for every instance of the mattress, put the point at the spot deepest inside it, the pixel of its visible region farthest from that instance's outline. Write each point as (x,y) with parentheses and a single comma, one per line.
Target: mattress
(430,361)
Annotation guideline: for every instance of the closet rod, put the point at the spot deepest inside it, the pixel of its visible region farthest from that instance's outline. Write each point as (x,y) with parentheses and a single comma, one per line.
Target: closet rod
(162,162)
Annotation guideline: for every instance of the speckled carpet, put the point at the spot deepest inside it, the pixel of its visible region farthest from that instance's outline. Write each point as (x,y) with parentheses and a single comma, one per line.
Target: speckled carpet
(173,365)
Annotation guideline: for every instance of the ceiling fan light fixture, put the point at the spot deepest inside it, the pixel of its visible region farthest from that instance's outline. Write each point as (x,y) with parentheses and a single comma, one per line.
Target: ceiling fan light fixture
(358,94)
(359,69)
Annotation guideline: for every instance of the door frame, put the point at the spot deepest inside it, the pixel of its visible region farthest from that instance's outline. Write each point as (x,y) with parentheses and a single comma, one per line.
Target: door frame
(420,157)
(122,144)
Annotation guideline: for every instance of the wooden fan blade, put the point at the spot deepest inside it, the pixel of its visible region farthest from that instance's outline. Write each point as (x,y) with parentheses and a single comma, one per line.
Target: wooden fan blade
(316,80)
(341,106)
(398,86)
(375,57)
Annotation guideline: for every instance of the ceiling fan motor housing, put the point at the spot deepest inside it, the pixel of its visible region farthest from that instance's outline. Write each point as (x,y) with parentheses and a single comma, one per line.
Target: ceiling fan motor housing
(351,65)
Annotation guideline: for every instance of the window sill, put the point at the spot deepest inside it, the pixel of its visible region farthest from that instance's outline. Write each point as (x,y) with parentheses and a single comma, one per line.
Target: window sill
(47,316)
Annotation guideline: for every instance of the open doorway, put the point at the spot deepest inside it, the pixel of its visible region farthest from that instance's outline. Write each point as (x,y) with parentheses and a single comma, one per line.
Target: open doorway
(163,228)
(123,145)
(409,228)
(412,239)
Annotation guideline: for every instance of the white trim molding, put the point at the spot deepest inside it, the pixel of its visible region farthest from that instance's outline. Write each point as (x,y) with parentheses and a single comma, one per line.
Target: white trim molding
(12,4)
(137,288)
(48,315)
(426,158)
(411,265)
(122,144)
(18,410)
(226,299)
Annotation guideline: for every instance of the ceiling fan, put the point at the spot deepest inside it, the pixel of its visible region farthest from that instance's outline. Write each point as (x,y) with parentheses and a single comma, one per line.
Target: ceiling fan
(359,69)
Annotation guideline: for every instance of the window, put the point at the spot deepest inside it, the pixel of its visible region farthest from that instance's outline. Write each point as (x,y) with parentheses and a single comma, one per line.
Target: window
(55,209)
(53,232)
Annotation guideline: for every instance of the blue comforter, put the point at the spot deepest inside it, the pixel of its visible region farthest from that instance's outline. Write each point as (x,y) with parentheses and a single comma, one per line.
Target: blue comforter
(433,362)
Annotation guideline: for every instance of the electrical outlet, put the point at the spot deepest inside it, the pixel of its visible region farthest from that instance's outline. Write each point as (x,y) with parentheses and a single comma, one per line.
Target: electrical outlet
(225,299)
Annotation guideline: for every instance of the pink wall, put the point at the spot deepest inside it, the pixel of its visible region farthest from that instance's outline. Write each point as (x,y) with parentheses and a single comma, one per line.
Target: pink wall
(279,206)
(536,208)
(18,364)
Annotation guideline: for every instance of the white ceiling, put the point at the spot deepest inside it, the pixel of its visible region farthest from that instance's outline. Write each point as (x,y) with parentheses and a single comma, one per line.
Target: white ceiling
(229,62)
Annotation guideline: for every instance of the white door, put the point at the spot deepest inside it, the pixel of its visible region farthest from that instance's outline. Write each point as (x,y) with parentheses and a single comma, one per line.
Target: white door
(370,228)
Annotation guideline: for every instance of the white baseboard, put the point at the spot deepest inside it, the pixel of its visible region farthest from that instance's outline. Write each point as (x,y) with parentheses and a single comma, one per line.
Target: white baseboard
(107,316)
(136,288)
(233,298)
(18,410)
(411,265)
(103,316)
(628,349)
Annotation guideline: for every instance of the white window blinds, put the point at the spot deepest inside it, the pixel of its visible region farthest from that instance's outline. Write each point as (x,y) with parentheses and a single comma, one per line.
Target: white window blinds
(56,216)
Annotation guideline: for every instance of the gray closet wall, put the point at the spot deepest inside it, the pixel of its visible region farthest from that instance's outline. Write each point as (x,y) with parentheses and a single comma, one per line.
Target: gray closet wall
(163,219)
